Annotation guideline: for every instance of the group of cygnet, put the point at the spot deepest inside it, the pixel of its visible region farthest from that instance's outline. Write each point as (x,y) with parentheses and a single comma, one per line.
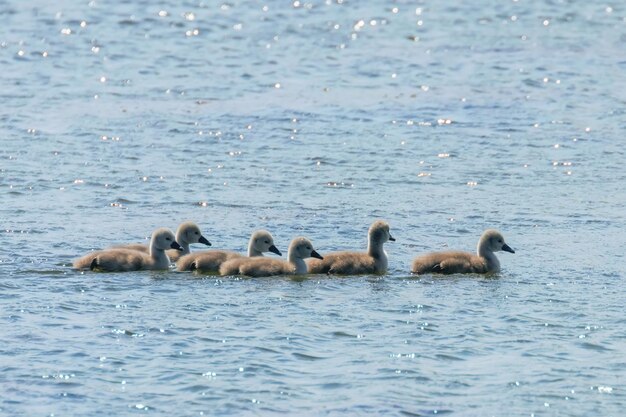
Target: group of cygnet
(165,248)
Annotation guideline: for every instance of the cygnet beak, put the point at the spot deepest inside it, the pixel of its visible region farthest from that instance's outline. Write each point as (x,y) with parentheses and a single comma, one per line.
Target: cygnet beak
(507,248)
(275,250)
(175,245)
(393,239)
(204,240)
(314,254)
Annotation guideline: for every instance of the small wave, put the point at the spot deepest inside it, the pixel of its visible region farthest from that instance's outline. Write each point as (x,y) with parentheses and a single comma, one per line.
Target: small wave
(306,357)
(595,347)
(343,334)
(448,357)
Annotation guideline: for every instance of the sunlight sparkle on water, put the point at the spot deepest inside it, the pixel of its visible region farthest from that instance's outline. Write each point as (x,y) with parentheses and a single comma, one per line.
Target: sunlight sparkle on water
(371,140)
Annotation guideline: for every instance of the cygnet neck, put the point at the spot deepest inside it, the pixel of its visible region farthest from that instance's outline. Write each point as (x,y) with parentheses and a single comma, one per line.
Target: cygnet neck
(484,251)
(375,248)
(159,255)
(182,241)
(376,251)
(297,261)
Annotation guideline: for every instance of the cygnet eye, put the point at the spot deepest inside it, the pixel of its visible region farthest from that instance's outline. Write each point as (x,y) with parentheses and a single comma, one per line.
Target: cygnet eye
(167,238)
(308,248)
(499,240)
(197,233)
(267,242)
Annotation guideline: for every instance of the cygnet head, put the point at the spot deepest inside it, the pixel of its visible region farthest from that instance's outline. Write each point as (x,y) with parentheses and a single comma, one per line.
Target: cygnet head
(262,241)
(379,232)
(190,232)
(302,248)
(493,241)
(164,239)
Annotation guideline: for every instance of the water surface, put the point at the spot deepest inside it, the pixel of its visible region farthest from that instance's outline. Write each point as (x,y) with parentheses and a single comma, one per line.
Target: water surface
(314,118)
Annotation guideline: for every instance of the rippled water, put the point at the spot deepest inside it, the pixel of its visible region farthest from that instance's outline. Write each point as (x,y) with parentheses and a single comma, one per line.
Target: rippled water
(314,119)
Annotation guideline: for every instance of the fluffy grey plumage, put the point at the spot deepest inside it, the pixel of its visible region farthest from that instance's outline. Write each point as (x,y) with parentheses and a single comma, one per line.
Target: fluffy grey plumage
(260,242)
(453,262)
(187,233)
(120,259)
(374,261)
(299,249)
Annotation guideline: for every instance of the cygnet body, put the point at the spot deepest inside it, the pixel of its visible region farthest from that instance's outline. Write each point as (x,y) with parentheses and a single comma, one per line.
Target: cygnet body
(187,233)
(457,262)
(260,242)
(300,248)
(121,259)
(374,261)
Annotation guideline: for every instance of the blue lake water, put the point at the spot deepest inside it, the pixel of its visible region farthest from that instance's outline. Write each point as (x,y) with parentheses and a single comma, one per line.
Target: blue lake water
(314,118)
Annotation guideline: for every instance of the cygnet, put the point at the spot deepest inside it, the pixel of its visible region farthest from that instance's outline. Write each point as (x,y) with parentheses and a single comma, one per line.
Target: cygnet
(374,261)
(260,242)
(456,262)
(117,260)
(187,233)
(299,249)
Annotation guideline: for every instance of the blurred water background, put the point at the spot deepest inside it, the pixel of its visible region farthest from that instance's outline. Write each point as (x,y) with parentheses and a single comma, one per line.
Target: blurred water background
(314,118)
